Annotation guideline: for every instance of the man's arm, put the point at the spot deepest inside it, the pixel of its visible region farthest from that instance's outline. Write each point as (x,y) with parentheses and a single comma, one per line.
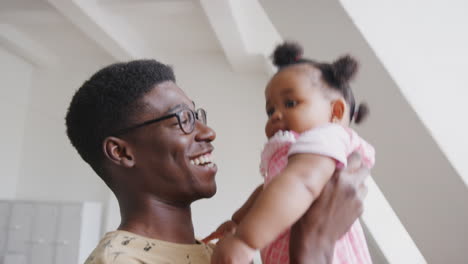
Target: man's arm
(314,236)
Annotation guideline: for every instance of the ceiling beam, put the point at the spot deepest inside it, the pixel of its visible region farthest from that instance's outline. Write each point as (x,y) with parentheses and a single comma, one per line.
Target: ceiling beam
(25,47)
(99,25)
(245,33)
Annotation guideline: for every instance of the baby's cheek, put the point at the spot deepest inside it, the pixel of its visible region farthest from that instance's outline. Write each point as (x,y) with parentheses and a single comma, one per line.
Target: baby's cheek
(302,124)
(298,124)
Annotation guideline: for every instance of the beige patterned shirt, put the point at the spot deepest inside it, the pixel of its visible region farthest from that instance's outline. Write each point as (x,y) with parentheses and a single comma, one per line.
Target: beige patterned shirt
(121,247)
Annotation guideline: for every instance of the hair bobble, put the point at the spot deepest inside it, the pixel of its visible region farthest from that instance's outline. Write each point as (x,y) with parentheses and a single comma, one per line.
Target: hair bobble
(286,54)
(361,113)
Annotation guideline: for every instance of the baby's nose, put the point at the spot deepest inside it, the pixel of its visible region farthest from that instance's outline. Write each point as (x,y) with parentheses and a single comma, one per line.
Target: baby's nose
(277,115)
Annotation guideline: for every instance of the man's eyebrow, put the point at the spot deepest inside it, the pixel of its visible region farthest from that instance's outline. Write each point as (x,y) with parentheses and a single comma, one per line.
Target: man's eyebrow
(176,107)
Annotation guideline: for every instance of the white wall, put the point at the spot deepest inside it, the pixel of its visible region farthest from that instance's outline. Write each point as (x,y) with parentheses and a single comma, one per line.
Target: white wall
(15,76)
(51,169)
(425,52)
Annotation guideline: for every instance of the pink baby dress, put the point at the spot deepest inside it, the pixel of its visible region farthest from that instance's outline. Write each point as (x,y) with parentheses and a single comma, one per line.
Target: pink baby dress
(330,140)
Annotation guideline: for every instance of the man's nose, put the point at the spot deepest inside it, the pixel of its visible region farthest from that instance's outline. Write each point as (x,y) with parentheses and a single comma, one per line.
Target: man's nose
(204,132)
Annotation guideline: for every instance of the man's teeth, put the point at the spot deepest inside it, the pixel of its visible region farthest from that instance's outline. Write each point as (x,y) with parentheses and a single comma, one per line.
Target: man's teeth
(205,160)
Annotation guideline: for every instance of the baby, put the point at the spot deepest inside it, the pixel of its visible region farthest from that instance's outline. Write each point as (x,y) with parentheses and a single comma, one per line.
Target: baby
(310,106)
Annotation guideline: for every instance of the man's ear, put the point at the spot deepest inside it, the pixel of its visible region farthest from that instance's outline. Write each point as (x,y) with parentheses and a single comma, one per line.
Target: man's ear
(338,110)
(118,151)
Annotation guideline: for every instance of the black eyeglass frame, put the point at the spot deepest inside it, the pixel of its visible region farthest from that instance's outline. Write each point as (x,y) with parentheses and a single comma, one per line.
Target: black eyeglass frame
(199,114)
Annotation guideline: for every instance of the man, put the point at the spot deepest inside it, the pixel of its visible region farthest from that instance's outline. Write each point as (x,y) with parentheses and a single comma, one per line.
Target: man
(144,137)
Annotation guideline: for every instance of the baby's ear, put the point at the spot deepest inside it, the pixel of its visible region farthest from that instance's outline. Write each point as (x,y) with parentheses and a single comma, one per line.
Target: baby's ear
(338,110)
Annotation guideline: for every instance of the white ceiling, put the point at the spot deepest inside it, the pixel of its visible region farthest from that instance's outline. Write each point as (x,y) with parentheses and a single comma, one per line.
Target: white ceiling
(432,41)
(167,26)
(163,28)
(49,30)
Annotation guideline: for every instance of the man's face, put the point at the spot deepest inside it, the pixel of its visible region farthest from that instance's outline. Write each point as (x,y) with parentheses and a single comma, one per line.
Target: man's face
(166,158)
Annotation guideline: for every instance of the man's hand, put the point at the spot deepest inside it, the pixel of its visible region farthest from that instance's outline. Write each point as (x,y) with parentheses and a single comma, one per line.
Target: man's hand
(339,205)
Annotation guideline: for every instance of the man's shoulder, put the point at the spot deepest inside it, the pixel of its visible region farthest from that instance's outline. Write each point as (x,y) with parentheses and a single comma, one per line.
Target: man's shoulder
(112,249)
(122,247)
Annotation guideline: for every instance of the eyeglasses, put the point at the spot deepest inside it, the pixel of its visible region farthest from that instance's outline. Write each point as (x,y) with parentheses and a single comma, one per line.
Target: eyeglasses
(185,117)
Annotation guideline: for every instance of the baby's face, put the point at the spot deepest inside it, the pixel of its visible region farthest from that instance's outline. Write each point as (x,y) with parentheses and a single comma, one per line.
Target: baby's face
(295,100)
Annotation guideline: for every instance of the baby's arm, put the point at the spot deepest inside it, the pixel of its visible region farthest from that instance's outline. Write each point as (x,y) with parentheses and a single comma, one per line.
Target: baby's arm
(285,199)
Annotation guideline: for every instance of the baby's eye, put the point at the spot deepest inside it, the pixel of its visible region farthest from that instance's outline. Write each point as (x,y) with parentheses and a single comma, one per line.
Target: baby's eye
(270,111)
(290,103)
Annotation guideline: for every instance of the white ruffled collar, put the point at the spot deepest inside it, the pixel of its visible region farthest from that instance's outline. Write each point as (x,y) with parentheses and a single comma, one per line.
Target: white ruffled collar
(276,142)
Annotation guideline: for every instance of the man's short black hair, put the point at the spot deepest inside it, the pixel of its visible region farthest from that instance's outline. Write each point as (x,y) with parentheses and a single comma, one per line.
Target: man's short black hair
(106,103)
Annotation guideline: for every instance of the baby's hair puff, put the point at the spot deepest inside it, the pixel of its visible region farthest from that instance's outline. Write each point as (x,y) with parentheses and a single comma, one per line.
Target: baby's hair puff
(344,69)
(287,54)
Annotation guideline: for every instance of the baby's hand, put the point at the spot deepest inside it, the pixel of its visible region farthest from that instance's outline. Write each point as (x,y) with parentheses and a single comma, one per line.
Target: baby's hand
(228,227)
(230,249)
